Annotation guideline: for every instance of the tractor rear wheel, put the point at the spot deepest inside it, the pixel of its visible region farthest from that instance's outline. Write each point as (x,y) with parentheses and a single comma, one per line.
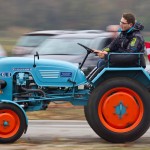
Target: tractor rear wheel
(12,123)
(118,110)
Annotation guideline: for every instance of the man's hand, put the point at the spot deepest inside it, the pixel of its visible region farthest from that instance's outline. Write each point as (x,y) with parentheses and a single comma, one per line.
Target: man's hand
(100,53)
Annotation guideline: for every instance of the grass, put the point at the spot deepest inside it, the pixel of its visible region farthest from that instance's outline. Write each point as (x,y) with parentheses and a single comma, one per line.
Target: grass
(58,112)
(147,38)
(8,44)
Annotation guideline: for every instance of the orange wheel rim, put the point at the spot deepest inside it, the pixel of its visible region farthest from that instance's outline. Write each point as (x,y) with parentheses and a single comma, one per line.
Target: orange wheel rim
(120,110)
(9,123)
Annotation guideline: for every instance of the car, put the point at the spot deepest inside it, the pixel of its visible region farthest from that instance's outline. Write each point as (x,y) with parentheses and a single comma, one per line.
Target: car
(65,47)
(29,41)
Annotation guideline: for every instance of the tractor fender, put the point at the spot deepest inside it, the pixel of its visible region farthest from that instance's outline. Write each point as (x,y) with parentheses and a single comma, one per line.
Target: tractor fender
(137,73)
(8,101)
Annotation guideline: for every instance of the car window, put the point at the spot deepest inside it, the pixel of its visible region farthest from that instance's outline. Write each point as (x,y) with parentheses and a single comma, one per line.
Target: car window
(31,40)
(100,42)
(63,46)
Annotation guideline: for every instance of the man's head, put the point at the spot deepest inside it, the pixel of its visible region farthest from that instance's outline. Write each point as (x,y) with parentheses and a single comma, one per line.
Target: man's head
(127,21)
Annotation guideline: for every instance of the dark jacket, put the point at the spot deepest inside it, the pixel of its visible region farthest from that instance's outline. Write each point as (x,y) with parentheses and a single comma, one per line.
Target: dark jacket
(130,41)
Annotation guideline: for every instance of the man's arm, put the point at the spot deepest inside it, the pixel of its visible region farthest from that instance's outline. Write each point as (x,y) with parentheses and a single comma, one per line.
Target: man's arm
(111,47)
(100,53)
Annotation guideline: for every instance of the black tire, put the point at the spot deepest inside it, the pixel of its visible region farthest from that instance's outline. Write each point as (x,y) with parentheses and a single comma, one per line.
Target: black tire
(115,133)
(15,124)
(87,113)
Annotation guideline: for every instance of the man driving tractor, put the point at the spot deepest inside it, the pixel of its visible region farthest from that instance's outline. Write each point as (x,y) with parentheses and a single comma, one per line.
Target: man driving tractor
(129,40)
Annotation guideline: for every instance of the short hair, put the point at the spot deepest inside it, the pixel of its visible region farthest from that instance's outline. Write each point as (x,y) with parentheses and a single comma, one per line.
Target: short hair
(129,17)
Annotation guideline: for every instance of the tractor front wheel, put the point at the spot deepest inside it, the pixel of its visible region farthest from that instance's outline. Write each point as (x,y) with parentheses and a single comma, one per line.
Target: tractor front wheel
(12,123)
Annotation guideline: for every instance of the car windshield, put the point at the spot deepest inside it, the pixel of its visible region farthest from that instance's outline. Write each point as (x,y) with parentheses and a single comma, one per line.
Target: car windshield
(31,40)
(63,46)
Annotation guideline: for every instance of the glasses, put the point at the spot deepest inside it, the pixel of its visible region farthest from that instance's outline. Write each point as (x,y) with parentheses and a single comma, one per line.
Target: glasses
(123,22)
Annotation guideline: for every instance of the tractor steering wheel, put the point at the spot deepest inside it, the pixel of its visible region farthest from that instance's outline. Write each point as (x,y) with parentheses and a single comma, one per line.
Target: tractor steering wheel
(89,50)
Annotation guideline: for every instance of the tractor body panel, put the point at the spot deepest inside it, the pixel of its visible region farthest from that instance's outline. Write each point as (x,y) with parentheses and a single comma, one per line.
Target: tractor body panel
(46,73)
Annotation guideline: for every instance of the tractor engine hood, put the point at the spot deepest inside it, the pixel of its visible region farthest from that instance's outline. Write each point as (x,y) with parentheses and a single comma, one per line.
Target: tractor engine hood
(45,73)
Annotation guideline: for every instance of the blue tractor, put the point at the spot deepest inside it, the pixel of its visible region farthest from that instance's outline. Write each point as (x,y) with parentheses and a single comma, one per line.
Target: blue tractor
(115,99)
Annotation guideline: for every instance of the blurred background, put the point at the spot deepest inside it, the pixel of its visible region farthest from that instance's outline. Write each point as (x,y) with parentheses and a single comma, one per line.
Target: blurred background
(22,16)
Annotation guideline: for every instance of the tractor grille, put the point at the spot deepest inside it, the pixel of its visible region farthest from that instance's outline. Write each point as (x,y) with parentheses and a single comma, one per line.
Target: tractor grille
(49,73)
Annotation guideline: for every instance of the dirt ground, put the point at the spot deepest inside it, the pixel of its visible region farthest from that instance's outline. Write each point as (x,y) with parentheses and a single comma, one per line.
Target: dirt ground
(75,144)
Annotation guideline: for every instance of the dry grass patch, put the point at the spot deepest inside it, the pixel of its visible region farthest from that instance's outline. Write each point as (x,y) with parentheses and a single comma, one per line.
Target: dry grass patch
(58,112)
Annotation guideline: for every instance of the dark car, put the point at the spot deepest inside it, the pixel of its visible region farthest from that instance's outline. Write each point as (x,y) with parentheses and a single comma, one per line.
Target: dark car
(65,47)
(29,41)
